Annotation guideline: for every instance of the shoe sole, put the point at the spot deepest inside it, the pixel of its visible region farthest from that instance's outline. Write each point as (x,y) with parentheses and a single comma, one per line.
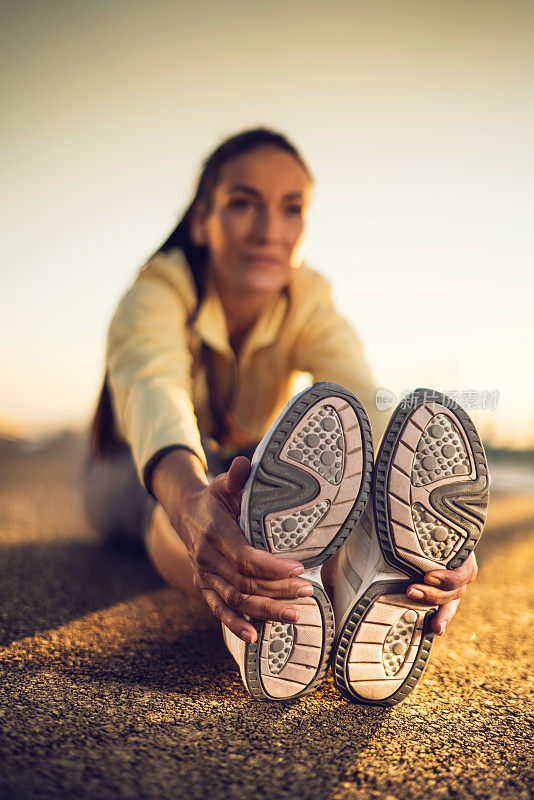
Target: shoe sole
(309,483)
(431,491)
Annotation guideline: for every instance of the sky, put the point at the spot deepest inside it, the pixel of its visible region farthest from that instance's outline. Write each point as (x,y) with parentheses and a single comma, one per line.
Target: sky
(417,119)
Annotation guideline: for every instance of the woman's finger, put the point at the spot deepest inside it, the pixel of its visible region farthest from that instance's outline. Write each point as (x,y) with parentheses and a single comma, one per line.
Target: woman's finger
(245,559)
(449,579)
(290,588)
(235,622)
(208,560)
(252,605)
(217,564)
(443,616)
(420,591)
(227,487)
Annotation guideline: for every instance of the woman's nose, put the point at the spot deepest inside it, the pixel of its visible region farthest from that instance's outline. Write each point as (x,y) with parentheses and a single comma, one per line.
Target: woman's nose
(267,225)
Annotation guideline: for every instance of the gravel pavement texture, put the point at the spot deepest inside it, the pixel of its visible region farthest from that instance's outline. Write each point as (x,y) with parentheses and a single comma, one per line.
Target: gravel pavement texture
(115,686)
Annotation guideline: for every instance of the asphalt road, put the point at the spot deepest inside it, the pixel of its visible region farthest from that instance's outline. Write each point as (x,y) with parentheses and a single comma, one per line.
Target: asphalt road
(114,686)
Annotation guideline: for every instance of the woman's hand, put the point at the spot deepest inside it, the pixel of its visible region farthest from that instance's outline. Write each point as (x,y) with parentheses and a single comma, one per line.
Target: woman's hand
(445,588)
(234,578)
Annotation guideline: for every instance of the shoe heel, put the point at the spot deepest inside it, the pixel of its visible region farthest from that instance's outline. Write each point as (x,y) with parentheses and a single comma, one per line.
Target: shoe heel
(384,646)
(289,660)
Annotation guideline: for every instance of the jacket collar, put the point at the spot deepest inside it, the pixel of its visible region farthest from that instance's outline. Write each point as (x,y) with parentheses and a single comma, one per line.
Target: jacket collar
(210,323)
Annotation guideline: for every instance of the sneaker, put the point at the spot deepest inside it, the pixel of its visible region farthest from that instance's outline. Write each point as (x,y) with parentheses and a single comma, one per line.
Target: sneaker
(430,495)
(309,483)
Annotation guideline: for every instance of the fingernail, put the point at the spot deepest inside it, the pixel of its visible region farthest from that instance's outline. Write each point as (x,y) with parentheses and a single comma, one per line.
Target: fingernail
(442,626)
(305,591)
(415,593)
(433,581)
(290,615)
(248,636)
(296,572)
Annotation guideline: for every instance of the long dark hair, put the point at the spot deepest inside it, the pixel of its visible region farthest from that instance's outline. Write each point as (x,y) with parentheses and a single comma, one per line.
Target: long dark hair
(104,440)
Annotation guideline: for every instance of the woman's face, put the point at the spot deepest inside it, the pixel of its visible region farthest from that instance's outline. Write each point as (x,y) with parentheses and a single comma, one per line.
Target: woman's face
(255,227)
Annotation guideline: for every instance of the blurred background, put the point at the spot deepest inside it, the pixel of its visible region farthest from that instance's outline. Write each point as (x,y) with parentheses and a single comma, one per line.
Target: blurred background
(417,119)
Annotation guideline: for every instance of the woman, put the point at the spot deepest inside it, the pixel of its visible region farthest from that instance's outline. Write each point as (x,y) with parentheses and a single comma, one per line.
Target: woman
(200,359)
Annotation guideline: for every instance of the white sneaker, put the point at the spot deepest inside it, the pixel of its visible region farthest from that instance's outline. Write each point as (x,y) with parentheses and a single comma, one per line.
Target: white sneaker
(428,507)
(309,483)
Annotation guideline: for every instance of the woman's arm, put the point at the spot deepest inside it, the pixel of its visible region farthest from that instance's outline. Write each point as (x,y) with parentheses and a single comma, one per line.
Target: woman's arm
(149,365)
(234,578)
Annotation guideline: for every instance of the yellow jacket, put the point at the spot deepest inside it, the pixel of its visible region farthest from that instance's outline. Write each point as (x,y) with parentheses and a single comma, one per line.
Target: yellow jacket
(157,373)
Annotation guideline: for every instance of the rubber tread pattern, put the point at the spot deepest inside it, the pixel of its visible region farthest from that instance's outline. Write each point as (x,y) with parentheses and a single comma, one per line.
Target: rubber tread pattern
(425,525)
(278,486)
(252,652)
(281,644)
(303,451)
(445,466)
(302,523)
(339,660)
(402,632)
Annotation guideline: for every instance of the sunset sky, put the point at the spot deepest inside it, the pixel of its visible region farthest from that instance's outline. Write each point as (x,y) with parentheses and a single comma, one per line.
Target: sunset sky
(417,119)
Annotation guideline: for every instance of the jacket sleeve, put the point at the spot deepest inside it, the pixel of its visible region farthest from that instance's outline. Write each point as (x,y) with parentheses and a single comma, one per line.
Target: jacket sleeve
(149,368)
(328,347)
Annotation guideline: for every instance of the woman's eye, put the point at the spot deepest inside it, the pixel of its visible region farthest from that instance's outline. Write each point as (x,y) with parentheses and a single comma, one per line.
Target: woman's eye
(294,210)
(240,203)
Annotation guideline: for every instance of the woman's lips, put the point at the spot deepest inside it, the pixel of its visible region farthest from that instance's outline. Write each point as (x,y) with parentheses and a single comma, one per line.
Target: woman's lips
(268,261)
